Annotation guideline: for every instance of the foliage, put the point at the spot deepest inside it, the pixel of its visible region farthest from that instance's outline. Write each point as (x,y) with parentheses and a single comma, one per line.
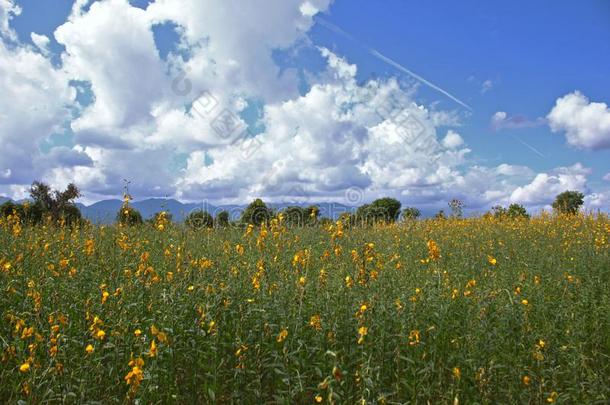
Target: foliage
(199,219)
(440,215)
(569,202)
(437,311)
(57,205)
(411,213)
(256,213)
(296,216)
(514,211)
(382,210)
(129,216)
(161,217)
(222,219)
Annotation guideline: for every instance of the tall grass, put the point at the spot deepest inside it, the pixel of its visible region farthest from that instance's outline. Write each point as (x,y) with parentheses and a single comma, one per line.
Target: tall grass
(488,312)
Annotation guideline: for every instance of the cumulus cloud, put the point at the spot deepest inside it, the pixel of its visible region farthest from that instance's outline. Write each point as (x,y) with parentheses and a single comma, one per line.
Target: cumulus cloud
(8,10)
(546,186)
(176,126)
(41,42)
(586,124)
(34,104)
(452,140)
(607,177)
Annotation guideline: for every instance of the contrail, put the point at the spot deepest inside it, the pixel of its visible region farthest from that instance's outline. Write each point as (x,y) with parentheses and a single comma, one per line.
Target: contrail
(391,62)
(527,145)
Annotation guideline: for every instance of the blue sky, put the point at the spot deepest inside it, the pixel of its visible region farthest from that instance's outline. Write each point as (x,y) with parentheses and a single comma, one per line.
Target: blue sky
(519,61)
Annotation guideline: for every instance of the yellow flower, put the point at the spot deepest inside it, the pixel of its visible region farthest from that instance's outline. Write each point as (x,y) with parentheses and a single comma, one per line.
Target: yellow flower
(457,373)
(362,332)
(315,322)
(302,281)
(318,399)
(136,375)
(492,260)
(282,335)
(153,349)
(348,281)
(100,334)
(552,398)
(137,332)
(434,252)
(89,349)
(24,368)
(526,380)
(524,302)
(413,337)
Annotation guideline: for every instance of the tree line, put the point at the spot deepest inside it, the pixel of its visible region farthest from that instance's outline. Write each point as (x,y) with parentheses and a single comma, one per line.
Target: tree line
(47,205)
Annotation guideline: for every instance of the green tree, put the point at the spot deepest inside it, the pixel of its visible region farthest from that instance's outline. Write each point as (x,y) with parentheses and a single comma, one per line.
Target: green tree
(222,219)
(411,213)
(256,213)
(569,202)
(382,210)
(294,216)
(440,215)
(166,215)
(129,216)
(312,214)
(199,219)
(517,211)
(10,208)
(514,211)
(58,205)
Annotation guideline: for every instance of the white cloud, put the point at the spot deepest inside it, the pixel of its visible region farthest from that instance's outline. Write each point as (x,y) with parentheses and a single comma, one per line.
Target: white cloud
(546,186)
(8,10)
(607,177)
(41,42)
(34,104)
(452,140)
(585,123)
(112,47)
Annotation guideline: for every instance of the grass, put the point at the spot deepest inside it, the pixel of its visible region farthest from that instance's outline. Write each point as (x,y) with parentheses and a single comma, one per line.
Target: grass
(491,312)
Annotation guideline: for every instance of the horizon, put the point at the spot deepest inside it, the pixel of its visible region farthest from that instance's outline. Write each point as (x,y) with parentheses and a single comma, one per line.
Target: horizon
(333,101)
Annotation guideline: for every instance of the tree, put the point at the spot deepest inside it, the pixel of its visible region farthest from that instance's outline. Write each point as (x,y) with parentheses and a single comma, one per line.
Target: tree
(517,211)
(10,208)
(514,211)
(222,219)
(199,219)
(161,216)
(59,205)
(457,208)
(411,213)
(256,213)
(440,215)
(348,219)
(569,202)
(294,216)
(382,210)
(312,213)
(129,216)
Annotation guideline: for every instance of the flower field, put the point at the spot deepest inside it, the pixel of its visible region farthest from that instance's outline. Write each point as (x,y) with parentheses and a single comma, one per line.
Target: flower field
(439,311)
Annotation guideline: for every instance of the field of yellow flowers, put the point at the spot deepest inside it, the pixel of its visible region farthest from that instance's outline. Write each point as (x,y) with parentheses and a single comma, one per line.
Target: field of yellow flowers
(445,311)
